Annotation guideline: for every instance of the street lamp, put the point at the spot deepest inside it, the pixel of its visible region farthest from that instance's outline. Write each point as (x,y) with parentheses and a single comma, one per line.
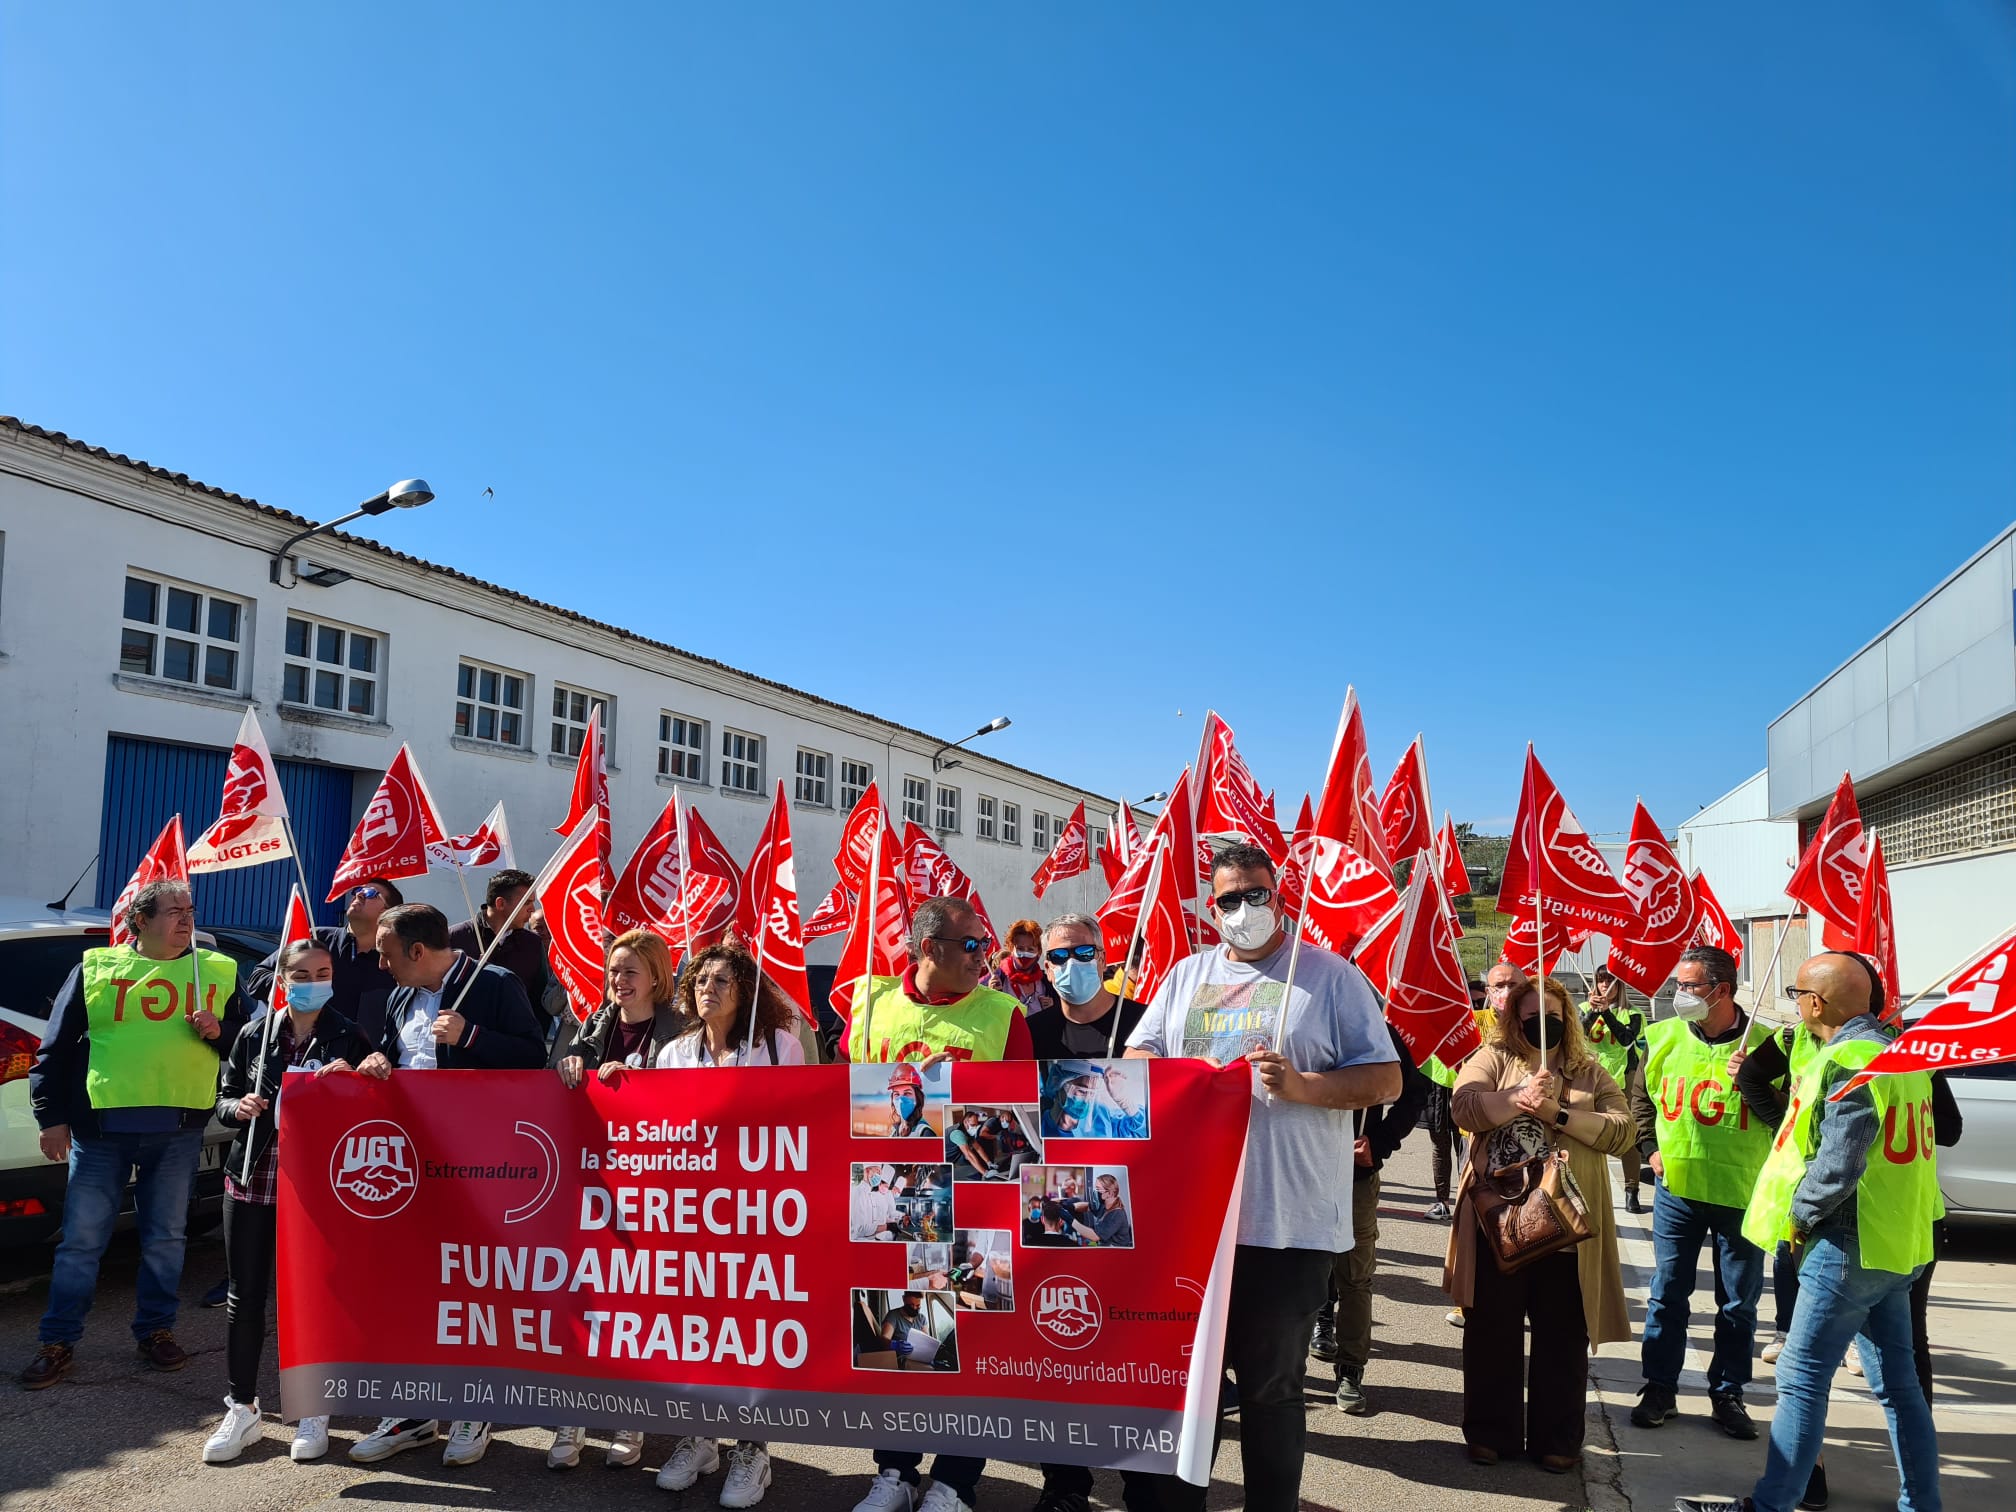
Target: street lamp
(1152,798)
(407,493)
(988,728)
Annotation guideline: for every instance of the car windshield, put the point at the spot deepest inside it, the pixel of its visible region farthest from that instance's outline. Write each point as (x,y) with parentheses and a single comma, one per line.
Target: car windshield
(33,966)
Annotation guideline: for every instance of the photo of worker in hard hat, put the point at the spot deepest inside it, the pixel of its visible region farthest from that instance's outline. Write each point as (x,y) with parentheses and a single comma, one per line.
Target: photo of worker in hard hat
(904,1330)
(910,1204)
(1095,1099)
(902,1101)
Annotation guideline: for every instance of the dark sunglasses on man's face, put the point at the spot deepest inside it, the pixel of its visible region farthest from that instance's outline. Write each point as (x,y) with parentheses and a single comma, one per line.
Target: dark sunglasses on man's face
(1252,897)
(360,894)
(1071,953)
(971,944)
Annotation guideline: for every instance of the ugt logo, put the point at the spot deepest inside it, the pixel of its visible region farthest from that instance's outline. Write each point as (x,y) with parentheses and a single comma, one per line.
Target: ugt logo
(373,1170)
(1067,1312)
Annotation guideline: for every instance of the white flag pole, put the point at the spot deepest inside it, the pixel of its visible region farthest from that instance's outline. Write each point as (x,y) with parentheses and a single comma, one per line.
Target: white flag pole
(525,902)
(868,955)
(1309,878)
(266,1032)
(1770,973)
(468,902)
(1134,939)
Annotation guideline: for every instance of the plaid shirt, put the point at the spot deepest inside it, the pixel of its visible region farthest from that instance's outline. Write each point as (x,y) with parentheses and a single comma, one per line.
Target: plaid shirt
(264,1188)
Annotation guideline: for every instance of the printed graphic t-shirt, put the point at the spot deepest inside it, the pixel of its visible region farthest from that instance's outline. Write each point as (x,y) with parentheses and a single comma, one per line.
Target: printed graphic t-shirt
(1298,1158)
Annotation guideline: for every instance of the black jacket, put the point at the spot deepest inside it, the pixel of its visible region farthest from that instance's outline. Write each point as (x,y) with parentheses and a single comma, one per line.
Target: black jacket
(361,981)
(334,1038)
(589,1038)
(1386,1126)
(520,952)
(1761,1083)
(502,1034)
(56,1077)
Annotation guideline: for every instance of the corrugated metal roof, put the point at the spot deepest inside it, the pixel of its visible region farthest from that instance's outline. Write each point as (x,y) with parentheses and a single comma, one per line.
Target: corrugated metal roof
(71,443)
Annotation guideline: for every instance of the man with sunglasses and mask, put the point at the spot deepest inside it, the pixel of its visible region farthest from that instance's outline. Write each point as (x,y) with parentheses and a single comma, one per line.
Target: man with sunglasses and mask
(1317,1054)
(937,1010)
(1093,1023)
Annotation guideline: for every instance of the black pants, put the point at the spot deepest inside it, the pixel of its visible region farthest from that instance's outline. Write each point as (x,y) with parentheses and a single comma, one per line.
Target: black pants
(1550,1418)
(249,1228)
(1445,1142)
(959,1471)
(1269,1316)
(1921,1292)
(1139,1490)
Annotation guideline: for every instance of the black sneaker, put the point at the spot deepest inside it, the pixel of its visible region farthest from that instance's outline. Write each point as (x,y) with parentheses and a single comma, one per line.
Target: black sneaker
(1711,1504)
(1351,1396)
(1323,1342)
(1061,1501)
(1815,1499)
(218,1295)
(1655,1404)
(1730,1415)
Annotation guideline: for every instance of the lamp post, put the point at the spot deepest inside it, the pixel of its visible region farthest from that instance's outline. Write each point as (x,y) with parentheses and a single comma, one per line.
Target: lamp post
(938,764)
(407,493)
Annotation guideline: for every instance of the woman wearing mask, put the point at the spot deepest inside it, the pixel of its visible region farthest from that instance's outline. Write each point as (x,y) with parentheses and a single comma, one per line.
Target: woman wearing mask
(1018,969)
(309,1036)
(1512,1105)
(737,1021)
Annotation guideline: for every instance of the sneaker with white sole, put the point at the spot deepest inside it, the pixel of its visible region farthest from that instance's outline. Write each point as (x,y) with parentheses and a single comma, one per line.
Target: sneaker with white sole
(392,1435)
(311,1439)
(888,1492)
(1854,1359)
(748,1475)
(942,1498)
(1773,1347)
(1453,1317)
(242,1425)
(625,1449)
(691,1459)
(467,1443)
(566,1451)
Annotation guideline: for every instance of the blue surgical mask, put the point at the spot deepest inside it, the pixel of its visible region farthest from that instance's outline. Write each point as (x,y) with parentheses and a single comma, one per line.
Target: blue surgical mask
(309,997)
(1076,981)
(1075,1108)
(907,1105)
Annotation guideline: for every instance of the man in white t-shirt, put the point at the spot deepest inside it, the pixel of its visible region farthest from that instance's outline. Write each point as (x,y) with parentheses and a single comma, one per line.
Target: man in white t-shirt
(1334,1055)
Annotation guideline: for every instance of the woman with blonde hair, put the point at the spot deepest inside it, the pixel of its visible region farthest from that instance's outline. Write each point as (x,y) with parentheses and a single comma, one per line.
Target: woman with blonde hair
(1514,1107)
(1018,969)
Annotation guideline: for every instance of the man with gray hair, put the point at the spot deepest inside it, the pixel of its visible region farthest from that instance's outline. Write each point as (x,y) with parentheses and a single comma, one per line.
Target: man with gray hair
(1093,1022)
(125,1080)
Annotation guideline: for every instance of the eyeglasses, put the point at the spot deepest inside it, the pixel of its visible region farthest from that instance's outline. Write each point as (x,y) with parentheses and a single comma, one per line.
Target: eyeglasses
(361,893)
(971,944)
(1793,994)
(1071,953)
(1252,897)
(178,915)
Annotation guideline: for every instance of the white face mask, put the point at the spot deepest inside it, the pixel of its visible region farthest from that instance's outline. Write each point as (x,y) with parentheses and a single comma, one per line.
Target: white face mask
(1248,927)
(1689,1008)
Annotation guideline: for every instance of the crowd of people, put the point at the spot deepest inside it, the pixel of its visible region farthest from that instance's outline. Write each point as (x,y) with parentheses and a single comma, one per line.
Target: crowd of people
(1746,1154)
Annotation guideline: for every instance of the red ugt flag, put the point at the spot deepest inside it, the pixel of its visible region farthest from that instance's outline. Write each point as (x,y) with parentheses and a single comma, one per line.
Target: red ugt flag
(766,916)
(857,840)
(591,775)
(252,826)
(570,889)
(166,861)
(1832,873)
(1165,931)
(1666,904)
(1553,855)
(1070,856)
(1348,808)
(1429,1004)
(930,873)
(1713,926)
(1876,931)
(489,845)
(1375,953)
(1519,949)
(298,926)
(1229,801)
(1974,1026)
(1301,849)
(1404,816)
(392,838)
(878,938)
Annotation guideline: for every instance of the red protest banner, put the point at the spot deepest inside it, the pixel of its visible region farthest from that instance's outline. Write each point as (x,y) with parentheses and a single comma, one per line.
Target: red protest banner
(693,1248)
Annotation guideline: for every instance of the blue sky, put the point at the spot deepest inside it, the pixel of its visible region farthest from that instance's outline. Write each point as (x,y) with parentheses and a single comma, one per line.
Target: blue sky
(1592,374)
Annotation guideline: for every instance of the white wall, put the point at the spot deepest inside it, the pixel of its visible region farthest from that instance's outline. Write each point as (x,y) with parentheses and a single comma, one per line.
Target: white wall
(1747,857)
(1948,910)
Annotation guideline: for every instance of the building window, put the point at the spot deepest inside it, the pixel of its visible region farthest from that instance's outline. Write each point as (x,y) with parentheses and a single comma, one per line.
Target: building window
(682,748)
(185,635)
(1039,830)
(1098,840)
(489,704)
(916,801)
(814,767)
(332,667)
(983,818)
(571,709)
(741,762)
(855,777)
(1011,824)
(948,809)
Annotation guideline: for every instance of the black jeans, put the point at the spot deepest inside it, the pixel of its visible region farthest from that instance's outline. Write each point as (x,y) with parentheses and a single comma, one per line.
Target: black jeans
(1547,1417)
(249,1229)
(1139,1490)
(1921,1293)
(1275,1296)
(959,1471)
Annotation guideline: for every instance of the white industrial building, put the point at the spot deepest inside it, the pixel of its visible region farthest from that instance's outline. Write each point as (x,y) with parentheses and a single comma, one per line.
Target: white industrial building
(139,620)
(1747,858)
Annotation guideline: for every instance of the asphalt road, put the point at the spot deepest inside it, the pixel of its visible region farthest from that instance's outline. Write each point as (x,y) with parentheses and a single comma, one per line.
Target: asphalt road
(116,1435)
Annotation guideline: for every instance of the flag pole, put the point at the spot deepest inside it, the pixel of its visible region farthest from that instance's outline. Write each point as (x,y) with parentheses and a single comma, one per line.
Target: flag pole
(511,923)
(685,919)
(868,955)
(272,1013)
(1771,971)
(1539,927)
(468,902)
(749,1039)
(1950,972)
(300,867)
(1308,879)
(1134,939)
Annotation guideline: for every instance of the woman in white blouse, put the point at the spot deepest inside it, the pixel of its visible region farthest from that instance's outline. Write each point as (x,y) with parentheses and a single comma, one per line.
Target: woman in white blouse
(719,987)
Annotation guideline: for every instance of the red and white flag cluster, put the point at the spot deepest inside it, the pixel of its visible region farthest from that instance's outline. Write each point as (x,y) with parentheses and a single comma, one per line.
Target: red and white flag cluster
(252,826)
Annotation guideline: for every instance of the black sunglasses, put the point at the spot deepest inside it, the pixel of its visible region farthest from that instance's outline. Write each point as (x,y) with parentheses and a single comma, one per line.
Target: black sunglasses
(971,944)
(1252,897)
(366,892)
(1071,953)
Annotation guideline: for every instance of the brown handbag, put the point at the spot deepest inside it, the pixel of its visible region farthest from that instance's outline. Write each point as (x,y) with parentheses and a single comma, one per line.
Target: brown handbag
(1529,1208)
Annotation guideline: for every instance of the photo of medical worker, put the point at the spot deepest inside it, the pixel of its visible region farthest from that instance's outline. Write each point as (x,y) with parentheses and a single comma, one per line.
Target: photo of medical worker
(1076,1207)
(1095,1099)
(907,1204)
(992,1142)
(905,1330)
(900,1101)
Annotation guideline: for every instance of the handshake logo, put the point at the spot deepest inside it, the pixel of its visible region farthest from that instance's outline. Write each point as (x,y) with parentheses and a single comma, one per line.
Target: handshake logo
(373,1169)
(1067,1312)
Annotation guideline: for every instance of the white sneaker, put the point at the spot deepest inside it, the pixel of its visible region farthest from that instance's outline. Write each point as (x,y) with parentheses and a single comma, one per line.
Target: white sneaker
(691,1459)
(888,1492)
(942,1498)
(1854,1359)
(467,1443)
(566,1451)
(1774,1346)
(1453,1317)
(625,1449)
(748,1476)
(242,1425)
(311,1439)
(392,1435)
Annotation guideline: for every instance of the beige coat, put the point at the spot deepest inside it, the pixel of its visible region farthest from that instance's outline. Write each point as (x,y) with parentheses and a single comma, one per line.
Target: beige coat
(1590,1089)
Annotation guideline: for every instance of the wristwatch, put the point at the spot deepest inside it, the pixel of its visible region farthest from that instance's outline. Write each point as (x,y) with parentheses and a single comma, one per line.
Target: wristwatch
(1561,1116)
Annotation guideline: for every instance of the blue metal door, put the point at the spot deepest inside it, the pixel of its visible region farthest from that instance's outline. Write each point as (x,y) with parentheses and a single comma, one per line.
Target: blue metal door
(148,782)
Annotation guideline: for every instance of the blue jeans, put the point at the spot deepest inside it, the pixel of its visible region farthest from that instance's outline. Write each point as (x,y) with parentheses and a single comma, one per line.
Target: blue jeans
(1837,1300)
(1679,1229)
(99,1166)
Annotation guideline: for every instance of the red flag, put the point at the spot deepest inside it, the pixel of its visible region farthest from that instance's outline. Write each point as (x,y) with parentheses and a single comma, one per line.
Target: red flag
(1518,949)
(1429,1004)
(1449,857)
(1347,895)
(1374,953)
(1404,816)
(1712,926)
(857,839)
(1876,930)
(591,774)
(1181,812)
(570,889)
(1348,808)
(930,873)
(674,896)
(392,838)
(298,926)
(713,884)
(1069,856)
(1974,1026)
(1553,854)
(167,860)
(766,914)
(1165,932)
(1830,875)
(1295,870)
(878,938)
(1122,841)
(1659,886)
(489,845)
(1229,801)
(646,896)
(252,825)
